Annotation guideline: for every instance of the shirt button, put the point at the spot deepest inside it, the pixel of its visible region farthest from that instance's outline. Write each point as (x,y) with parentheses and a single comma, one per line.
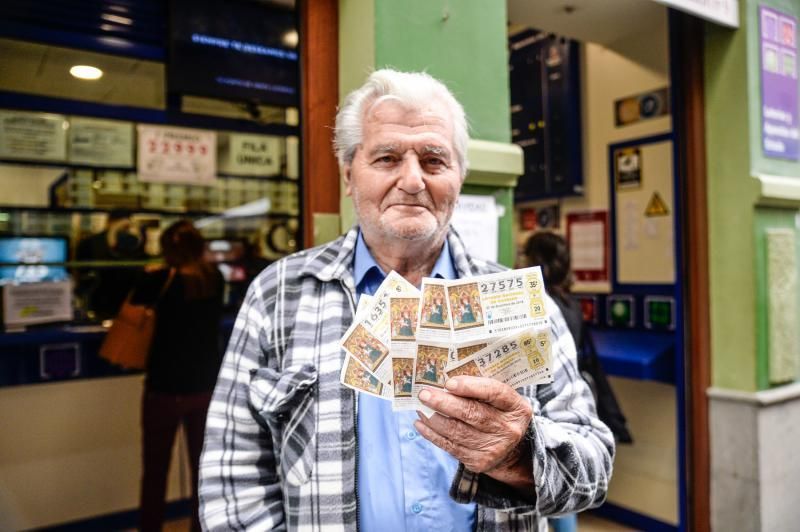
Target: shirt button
(410,435)
(416,507)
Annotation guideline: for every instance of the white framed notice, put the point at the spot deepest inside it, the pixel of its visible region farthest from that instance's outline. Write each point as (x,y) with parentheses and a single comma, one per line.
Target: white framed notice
(33,303)
(250,155)
(100,142)
(177,155)
(33,136)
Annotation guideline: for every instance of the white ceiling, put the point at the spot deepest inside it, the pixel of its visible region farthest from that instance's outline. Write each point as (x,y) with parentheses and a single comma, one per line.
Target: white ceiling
(599,21)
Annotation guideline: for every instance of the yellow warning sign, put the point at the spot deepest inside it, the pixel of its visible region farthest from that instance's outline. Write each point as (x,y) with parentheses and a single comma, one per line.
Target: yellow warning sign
(656,206)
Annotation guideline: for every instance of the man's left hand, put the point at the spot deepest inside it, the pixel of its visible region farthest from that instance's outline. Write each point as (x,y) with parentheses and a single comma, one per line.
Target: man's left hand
(484,428)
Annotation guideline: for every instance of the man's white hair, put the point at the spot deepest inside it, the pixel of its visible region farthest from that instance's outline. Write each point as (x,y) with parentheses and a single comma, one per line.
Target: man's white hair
(414,90)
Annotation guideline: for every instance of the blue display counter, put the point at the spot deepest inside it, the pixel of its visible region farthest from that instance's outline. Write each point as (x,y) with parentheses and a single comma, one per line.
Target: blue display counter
(644,355)
(51,354)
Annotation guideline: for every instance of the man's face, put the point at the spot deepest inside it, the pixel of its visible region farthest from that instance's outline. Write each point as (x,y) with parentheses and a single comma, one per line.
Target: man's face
(404,178)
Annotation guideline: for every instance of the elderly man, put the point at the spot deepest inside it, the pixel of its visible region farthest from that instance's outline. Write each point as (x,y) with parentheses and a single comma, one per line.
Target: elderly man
(288,447)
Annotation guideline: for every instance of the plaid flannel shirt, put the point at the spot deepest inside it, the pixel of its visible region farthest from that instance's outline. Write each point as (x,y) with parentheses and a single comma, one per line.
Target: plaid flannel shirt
(281,445)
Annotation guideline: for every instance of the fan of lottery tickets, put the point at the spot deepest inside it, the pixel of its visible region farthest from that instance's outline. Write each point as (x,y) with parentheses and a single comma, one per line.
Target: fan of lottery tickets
(404,339)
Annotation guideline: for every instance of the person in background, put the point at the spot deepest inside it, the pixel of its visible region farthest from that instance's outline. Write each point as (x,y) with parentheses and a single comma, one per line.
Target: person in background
(183,363)
(551,253)
(106,287)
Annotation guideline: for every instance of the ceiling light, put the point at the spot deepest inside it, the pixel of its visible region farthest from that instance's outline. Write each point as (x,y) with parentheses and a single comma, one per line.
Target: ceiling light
(290,38)
(86,72)
(116,18)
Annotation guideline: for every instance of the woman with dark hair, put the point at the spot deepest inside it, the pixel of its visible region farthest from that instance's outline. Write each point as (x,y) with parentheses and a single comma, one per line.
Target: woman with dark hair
(183,363)
(550,251)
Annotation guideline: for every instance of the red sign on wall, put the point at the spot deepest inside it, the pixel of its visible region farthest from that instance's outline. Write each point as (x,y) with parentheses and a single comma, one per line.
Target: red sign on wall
(587,234)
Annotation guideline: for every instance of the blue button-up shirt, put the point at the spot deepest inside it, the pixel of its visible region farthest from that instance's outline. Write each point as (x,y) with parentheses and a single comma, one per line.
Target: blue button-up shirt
(403,479)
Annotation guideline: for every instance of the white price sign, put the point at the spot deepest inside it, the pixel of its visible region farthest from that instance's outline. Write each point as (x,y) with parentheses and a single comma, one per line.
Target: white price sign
(251,155)
(100,142)
(33,136)
(177,155)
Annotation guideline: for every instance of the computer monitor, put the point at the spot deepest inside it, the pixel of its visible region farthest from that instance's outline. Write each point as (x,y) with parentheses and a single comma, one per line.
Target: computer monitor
(32,259)
(228,255)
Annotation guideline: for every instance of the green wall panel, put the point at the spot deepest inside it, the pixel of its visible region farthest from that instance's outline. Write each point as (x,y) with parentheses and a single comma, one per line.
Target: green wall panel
(732,193)
(462,43)
(767,218)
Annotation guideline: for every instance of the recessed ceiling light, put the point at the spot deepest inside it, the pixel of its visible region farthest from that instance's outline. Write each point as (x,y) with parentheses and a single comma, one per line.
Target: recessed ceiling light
(290,38)
(86,72)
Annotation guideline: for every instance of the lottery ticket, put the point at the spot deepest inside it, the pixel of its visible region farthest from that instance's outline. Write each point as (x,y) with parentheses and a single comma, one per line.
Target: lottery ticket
(520,359)
(368,349)
(356,376)
(403,382)
(431,359)
(403,323)
(496,304)
(376,316)
(433,318)
(363,302)
(463,350)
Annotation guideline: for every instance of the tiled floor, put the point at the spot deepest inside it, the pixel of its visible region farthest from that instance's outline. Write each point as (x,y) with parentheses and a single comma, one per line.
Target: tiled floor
(586,523)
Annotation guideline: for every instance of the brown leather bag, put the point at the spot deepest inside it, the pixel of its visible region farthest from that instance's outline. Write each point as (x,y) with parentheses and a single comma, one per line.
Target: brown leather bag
(127,342)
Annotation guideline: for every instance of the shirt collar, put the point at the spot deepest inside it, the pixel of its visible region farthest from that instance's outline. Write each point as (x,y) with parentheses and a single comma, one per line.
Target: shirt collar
(368,275)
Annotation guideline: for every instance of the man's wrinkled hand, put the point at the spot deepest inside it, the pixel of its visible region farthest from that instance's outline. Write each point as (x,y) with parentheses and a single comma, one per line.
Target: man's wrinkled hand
(483,425)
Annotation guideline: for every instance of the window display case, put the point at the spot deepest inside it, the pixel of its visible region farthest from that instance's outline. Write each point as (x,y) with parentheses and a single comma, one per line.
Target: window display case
(86,213)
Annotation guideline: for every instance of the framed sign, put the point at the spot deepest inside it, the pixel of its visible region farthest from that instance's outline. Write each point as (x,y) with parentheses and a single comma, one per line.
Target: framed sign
(33,136)
(177,155)
(250,155)
(100,142)
(587,235)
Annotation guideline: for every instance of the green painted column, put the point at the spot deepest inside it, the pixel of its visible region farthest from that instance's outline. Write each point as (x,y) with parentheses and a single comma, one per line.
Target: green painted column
(748,194)
(464,44)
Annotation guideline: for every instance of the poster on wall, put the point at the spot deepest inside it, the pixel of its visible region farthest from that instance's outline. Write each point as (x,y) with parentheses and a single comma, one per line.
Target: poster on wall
(476,220)
(587,236)
(628,168)
(100,142)
(33,136)
(177,155)
(250,155)
(780,127)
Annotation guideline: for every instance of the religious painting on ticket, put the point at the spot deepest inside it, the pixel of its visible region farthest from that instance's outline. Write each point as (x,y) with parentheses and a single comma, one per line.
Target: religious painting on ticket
(403,314)
(467,350)
(470,368)
(366,347)
(433,312)
(402,376)
(465,304)
(359,377)
(431,361)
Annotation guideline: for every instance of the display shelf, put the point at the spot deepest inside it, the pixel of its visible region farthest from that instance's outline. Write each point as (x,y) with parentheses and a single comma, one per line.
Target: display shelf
(165,212)
(643,355)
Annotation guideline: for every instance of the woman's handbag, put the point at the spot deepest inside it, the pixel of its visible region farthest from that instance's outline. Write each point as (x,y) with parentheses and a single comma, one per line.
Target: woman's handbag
(127,342)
